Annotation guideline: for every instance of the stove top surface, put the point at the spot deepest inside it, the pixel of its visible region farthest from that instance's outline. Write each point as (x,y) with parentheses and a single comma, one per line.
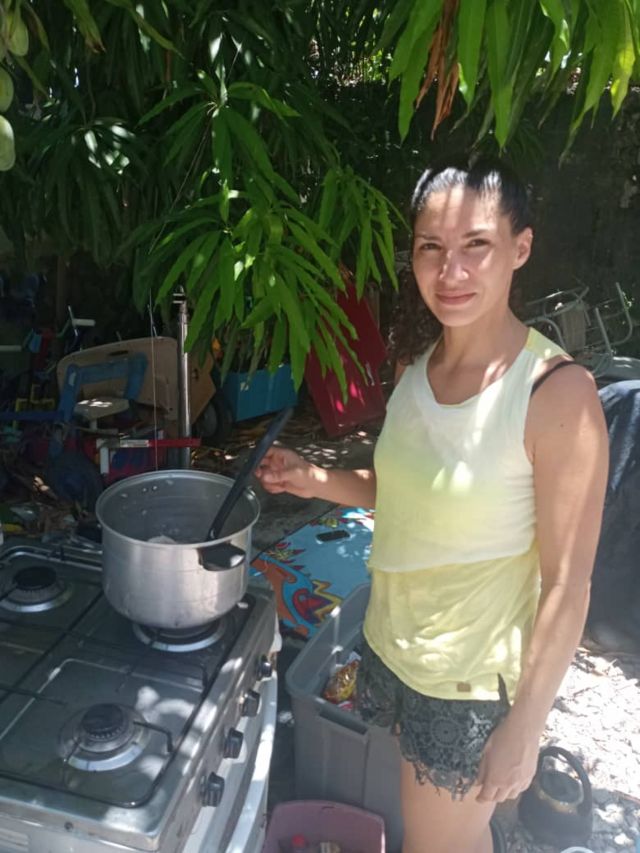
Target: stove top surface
(97,712)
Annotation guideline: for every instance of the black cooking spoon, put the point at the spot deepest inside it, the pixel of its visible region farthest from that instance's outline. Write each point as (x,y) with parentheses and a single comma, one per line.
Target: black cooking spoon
(252,462)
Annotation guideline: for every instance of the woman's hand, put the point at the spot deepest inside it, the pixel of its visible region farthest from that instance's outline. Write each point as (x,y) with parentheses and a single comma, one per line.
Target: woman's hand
(283,470)
(508,762)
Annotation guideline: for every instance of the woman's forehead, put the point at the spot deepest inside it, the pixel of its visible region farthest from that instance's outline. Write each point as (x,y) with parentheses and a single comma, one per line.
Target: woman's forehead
(460,207)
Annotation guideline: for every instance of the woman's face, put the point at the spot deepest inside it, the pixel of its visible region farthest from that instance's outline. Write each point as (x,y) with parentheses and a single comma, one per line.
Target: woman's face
(464,255)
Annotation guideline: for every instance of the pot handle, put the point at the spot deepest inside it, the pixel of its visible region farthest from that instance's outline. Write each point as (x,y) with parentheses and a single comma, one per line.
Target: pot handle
(574,763)
(221,558)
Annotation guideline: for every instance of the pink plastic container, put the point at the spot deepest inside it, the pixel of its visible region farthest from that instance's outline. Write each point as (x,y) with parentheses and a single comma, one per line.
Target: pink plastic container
(355,830)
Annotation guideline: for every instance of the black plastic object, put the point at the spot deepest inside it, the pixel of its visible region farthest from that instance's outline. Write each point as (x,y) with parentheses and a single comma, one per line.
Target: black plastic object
(252,462)
(213,789)
(251,704)
(233,744)
(265,668)
(221,557)
(333,536)
(557,809)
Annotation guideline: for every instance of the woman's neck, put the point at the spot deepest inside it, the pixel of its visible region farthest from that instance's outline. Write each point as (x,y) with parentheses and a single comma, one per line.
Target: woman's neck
(484,342)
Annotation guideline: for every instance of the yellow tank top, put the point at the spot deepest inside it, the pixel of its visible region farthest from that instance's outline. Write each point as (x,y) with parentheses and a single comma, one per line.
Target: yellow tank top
(454,562)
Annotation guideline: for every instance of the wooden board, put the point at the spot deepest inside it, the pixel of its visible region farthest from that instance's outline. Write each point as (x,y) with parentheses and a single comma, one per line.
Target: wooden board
(160,386)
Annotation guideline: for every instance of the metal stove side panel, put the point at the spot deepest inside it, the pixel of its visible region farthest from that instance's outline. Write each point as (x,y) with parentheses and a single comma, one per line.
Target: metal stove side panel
(237,825)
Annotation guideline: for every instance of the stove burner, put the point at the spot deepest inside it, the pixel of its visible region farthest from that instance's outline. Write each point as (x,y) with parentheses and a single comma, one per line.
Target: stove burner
(35,578)
(36,588)
(103,725)
(103,737)
(181,640)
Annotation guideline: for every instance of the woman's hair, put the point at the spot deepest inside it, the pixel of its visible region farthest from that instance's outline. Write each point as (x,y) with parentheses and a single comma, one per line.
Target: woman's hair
(413,325)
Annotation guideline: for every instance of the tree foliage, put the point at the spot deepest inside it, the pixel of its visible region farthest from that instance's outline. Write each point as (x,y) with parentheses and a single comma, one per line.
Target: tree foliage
(204,145)
(504,54)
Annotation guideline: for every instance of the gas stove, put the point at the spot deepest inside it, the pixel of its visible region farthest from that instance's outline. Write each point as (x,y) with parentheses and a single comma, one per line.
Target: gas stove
(120,737)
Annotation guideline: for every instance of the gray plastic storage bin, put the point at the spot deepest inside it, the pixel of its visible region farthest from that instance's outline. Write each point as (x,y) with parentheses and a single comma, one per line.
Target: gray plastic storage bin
(337,756)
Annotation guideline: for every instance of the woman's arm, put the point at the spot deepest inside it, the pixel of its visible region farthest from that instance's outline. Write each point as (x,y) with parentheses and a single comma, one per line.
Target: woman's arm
(567,435)
(284,470)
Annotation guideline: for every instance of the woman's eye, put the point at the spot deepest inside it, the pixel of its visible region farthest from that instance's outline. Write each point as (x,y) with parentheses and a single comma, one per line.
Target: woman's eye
(429,247)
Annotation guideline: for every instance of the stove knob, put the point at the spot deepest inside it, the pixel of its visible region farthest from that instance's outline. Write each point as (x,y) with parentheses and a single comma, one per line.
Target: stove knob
(232,744)
(251,704)
(212,790)
(265,667)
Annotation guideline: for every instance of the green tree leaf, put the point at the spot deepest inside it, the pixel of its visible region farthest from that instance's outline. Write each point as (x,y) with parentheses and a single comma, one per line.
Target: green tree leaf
(556,12)
(624,62)
(291,306)
(400,12)
(86,23)
(258,95)
(278,344)
(365,260)
(329,198)
(411,79)
(178,95)
(250,141)
(498,35)
(520,15)
(307,242)
(602,34)
(143,24)
(470,31)
(262,311)
(419,29)
(179,266)
(227,275)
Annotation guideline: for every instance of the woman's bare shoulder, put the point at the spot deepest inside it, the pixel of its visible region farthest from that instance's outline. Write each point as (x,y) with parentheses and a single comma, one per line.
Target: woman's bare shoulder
(573,380)
(563,405)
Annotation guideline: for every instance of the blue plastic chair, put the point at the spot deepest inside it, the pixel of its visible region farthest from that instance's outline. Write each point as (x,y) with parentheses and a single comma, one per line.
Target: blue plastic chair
(132,368)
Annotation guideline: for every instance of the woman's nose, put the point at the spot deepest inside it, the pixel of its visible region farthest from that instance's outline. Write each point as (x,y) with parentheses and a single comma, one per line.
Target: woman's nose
(452,268)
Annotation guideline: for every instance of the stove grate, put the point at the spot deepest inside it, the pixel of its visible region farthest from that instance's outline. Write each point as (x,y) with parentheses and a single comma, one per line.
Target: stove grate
(139,659)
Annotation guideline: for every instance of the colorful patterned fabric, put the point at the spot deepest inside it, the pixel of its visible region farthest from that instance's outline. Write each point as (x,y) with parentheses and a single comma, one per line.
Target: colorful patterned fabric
(316,566)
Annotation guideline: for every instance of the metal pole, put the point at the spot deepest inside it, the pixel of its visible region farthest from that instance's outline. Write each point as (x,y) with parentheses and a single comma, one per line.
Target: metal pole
(184,408)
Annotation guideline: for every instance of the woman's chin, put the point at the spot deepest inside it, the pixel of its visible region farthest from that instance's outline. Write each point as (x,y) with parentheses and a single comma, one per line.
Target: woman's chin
(456,316)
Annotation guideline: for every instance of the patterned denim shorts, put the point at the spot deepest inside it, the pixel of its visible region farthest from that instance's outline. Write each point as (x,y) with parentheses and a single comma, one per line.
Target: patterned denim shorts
(442,738)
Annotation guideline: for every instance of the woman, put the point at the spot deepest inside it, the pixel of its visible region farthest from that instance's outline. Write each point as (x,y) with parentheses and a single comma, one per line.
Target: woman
(488,486)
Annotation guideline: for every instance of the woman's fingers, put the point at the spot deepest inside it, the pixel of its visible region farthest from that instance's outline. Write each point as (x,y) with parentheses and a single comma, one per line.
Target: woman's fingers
(495,793)
(486,794)
(274,490)
(284,470)
(277,460)
(495,790)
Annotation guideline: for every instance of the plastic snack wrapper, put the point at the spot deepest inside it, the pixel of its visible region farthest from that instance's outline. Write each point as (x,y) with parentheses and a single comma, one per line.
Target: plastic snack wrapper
(340,687)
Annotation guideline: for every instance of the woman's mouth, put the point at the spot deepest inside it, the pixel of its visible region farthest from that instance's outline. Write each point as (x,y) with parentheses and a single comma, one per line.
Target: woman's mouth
(454,298)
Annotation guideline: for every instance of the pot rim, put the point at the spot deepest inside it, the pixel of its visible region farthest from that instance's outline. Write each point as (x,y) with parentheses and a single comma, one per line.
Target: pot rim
(247,492)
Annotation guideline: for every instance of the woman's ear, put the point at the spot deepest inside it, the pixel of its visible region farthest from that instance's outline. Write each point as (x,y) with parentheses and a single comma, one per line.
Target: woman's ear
(524,241)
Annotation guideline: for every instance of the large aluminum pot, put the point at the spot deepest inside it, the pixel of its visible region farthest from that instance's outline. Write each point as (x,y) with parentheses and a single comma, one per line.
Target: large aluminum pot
(185,583)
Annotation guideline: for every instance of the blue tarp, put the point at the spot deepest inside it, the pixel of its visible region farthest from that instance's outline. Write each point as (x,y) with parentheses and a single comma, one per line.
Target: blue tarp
(615,598)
